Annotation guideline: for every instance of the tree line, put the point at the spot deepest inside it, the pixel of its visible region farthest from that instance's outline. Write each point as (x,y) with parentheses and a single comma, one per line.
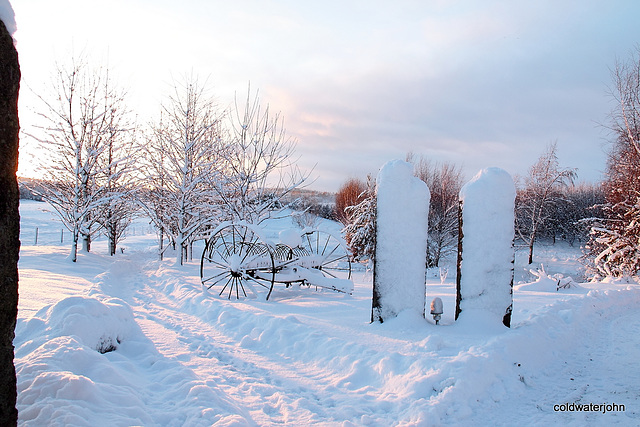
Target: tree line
(193,167)
(549,206)
(197,165)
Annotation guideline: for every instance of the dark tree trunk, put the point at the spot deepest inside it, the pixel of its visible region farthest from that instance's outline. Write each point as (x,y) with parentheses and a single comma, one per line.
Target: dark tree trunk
(531,242)
(86,243)
(9,224)
(112,232)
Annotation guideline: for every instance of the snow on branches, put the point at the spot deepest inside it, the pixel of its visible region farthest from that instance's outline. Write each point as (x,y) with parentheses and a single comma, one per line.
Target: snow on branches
(88,136)
(257,164)
(614,247)
(361,230)
(181,159)
(540,196)
(204,166)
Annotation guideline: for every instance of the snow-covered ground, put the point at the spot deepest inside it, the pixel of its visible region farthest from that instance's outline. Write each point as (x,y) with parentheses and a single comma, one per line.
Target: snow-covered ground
(183,356)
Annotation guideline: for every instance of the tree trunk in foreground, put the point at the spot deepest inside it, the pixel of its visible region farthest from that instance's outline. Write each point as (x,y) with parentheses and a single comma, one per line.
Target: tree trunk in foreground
(9,224)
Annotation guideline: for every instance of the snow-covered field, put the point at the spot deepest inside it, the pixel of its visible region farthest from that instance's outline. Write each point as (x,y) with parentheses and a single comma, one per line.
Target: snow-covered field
(183,356)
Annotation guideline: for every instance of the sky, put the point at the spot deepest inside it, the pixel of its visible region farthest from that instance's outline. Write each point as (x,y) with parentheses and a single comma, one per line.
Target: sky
(359,83)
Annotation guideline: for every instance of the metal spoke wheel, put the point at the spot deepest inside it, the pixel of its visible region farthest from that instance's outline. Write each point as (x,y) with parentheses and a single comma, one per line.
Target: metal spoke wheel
(325,252)
(236,259)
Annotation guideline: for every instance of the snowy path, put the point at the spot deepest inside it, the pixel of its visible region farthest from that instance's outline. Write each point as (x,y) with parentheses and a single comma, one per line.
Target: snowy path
(589,355)
(271,389)
(188,357)
(280,369)
(272,386)
(619,360)
(605,371)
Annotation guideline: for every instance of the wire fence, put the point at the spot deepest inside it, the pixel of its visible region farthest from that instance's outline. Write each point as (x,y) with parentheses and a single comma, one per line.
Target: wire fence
(47,236)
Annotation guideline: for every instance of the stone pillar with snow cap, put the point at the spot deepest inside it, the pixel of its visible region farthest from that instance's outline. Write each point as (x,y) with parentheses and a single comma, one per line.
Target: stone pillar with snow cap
(485,249)
(401,242)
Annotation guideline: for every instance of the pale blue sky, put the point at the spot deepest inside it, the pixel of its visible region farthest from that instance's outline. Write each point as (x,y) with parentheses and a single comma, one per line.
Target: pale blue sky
(478,83)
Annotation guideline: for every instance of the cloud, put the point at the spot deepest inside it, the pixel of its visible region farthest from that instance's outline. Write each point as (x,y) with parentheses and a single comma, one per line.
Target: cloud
(362,82)
(489,94)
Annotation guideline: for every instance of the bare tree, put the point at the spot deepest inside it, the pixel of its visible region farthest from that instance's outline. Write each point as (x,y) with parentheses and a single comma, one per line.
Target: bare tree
(183,157)
(542,190)
(444,181)
(84,117)
(9,224)
(258,168)
(613,247)
(571,220)
(202,169)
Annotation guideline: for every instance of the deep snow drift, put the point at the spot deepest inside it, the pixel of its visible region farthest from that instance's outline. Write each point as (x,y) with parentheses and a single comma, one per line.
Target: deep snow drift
(129,340)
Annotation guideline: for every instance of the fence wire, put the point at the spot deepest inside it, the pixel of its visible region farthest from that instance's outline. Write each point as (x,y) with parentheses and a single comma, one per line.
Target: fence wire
(47,236)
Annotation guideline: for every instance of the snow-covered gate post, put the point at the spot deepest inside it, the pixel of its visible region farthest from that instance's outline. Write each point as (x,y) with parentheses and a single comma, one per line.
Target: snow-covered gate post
(401,242)
(485,247)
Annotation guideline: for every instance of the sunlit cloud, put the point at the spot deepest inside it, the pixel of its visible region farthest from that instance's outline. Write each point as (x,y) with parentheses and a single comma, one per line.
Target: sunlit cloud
(358,83)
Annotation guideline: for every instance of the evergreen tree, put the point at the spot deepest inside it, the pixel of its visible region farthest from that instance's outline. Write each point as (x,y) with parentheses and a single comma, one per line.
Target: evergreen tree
(361,231)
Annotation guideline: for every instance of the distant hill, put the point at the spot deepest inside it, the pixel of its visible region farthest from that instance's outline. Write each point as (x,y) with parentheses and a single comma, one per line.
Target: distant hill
(318,202)
(29,187)
(312,197)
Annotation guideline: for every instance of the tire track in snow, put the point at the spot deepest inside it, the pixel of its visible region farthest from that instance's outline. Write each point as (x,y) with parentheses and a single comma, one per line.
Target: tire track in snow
(276,367)
(271,387)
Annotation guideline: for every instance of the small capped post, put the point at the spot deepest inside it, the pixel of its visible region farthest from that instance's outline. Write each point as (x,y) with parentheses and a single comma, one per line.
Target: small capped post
(436,309)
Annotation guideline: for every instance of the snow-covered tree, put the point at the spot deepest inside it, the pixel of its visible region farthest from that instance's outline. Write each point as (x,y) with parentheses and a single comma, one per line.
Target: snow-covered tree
(571,220)
(182,166)
(361,231)
(614,247)
(153,193)
(84,117)
(257,163)
(120,159)
(541,191)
